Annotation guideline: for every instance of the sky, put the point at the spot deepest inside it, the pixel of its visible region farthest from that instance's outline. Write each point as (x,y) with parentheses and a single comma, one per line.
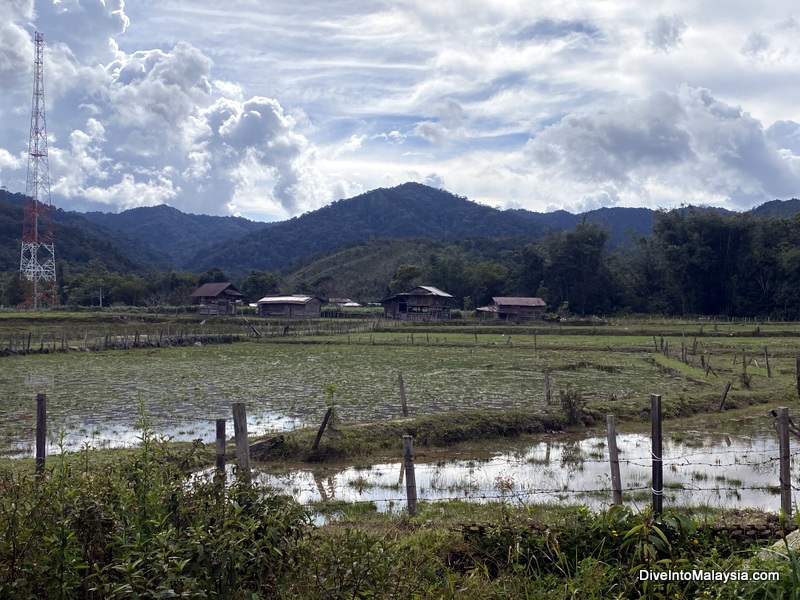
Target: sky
(268,110)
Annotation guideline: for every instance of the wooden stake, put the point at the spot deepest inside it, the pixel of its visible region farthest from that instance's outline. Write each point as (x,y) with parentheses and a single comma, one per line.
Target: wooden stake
(41,432)
(411,480)
(613,456)
(402,393)
(321,429)
(658,465)
(797,366)
(547,394)
(221,447)
(766,361)
(242,445)
(724,395)
(785,474)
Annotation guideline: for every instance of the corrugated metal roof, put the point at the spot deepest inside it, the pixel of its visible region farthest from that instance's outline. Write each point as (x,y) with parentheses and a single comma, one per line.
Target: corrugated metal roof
(299,299)
(518,301)
(420,290)
(211,290)
(435,291)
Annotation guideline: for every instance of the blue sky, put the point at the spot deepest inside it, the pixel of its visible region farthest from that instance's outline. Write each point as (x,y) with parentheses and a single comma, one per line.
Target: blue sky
(272,109)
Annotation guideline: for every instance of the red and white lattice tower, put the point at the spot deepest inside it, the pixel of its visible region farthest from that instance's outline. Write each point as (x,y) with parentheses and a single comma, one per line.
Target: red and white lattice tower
(37,260)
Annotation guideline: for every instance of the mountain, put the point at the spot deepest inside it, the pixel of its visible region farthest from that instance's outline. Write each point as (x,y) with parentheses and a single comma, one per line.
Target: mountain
(410,210)
(777,208)
(178,237)
(77,240)
(625,224)
(162,237)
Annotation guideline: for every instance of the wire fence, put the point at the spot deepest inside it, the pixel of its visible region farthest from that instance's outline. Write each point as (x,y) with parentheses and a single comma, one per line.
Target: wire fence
(743,471)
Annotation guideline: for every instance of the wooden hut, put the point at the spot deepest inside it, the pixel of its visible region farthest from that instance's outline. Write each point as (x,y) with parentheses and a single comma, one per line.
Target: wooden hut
(217,298)
(421,303)
(295,306)
(515,308)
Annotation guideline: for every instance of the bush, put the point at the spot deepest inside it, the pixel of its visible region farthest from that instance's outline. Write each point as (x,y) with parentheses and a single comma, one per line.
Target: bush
(144,528)
(573,404)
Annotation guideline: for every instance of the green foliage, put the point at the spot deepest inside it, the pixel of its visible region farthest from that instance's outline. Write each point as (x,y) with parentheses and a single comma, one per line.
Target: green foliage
(142,528)
(258,284)
(573,405)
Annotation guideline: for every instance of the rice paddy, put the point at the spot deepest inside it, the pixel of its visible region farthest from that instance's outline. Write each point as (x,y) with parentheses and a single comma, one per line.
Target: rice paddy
(97,398)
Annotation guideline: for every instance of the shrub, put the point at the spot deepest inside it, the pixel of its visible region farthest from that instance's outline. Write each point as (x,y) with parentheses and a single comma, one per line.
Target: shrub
(142,528)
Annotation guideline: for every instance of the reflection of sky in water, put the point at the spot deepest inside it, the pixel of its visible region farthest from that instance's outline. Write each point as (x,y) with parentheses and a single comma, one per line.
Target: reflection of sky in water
(103,433)
(717,475)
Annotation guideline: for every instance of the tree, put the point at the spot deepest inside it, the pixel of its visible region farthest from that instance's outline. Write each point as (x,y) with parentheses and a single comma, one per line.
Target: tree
(487,279)
(258,284)
(577,269)
(213,275)
(406,276)
(525,279)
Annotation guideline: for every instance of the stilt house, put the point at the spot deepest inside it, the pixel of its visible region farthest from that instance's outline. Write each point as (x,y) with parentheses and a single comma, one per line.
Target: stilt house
(421,303)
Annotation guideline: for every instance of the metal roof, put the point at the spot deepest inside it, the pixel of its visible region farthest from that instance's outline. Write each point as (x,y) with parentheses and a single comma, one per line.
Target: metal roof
(420,290)
(433,290)
(298,299)
(212,290)
(518,301)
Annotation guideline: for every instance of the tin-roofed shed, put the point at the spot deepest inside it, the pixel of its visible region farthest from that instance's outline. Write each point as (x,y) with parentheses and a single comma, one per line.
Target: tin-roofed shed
(295,306)
(421,303)
(515,308)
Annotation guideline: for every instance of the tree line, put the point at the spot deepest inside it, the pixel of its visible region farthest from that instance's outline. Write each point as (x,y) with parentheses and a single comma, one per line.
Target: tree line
(695,261)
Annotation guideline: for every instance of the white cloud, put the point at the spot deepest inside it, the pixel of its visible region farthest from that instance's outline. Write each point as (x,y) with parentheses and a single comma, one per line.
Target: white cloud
(270,111)
(665,33)
(672,145)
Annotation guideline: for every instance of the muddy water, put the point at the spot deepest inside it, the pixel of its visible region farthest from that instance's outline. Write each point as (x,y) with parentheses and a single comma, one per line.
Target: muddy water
(699,470)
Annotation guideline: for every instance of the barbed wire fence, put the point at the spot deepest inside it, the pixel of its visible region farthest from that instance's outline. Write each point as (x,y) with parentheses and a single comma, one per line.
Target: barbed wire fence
(507,487)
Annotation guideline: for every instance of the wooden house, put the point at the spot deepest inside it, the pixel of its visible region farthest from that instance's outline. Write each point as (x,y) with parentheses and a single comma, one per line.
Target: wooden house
(421,303)
(515,309)
(217,298)
(295,307)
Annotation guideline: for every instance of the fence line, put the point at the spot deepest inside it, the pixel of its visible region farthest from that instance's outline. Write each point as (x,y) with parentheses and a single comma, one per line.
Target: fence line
(657,485)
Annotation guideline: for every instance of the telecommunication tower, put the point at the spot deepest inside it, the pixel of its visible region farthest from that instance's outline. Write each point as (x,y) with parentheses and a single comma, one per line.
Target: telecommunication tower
(37,260)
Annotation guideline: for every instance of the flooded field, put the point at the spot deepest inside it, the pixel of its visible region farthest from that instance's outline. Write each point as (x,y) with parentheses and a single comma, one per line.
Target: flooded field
(97,397)
(703,470)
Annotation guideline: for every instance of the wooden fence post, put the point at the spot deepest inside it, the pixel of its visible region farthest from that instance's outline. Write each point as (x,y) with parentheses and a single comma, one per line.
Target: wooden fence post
(766,360)
(613,456)
(724,395)
(41,432)
(797,365)
(784,462)
(547,393)
(321,429)
(411,480)
(402,393)
(221,447)
(242,444)
(658,465)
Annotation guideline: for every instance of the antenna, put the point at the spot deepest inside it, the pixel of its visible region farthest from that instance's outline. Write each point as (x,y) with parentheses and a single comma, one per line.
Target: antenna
(37,262)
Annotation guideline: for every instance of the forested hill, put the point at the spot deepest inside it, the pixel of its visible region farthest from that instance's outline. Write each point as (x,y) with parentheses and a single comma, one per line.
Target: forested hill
(410,210)
(163,237)
(179,236)
(77,240)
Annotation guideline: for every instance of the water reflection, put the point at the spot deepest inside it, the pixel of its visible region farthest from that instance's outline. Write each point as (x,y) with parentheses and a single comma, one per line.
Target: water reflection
(720,472)
(97,432)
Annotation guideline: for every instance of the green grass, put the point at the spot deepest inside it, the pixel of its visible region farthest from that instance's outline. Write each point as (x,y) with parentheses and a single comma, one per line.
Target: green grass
(446,370)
